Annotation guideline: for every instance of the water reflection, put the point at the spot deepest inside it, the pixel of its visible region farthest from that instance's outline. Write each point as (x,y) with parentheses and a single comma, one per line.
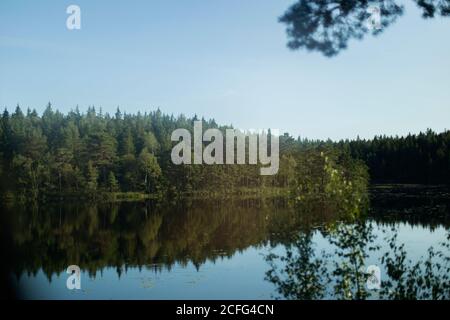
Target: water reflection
(303,273)
(324,251)
(140,234)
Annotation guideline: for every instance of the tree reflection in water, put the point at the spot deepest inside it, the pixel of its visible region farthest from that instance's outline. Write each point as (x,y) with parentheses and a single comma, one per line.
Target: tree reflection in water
(157,235)
(301,273)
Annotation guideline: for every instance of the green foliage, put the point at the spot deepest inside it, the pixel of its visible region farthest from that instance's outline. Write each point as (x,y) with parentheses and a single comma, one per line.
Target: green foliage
(74,154)
(80,153)
(331,176)
(112,182)
(428,278)
(150,169)
(92,176)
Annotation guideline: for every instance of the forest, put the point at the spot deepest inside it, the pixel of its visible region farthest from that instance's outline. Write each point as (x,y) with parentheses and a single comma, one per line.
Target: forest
(422,158)
(91,153)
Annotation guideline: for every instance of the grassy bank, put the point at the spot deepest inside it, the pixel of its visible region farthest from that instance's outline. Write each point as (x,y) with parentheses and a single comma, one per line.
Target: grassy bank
(139,196)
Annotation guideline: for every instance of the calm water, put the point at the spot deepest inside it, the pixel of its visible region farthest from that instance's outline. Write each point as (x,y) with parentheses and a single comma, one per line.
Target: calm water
(234,248)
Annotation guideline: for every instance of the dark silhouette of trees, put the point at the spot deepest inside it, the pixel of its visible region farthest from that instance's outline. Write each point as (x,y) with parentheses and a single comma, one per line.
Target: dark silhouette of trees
(326,26)
(422,158)
(417,158)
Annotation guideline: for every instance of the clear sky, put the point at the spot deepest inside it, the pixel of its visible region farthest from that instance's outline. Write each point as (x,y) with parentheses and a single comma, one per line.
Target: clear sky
(224,59)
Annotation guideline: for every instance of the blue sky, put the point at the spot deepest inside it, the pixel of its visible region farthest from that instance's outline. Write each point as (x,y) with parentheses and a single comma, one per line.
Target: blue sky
(224,59)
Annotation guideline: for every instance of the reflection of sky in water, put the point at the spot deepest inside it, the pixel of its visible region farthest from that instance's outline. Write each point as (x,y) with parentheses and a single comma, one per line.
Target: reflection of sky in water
(238,277)
(241,277)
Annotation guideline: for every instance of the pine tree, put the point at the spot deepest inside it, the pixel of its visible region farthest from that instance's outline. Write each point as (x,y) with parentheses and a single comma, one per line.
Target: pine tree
(91,177)
(113,184)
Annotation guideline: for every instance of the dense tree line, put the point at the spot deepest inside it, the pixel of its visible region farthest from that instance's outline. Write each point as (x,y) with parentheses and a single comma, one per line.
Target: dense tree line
(415,158)
(422,158)
(79,153)
(92,153)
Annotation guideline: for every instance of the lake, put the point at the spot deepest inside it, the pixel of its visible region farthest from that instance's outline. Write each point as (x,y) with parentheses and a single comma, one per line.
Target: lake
(236,248)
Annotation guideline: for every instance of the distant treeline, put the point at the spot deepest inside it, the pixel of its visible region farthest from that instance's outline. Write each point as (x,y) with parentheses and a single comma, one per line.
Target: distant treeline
(422,158)
(92,152)
(417,158)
